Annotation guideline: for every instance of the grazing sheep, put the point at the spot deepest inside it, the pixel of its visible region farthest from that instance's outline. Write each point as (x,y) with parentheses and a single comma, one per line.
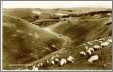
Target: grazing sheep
(35,68)
(109,40)
(53,62)
(70,59)
(97,47)
(47,61)
(86,47)
(89,43)
(52,57)
(89,52)
(57,60)
(40,64)
(91,49)
(93,58)
(105,44)
(63,61)
(96,40)
(83,53)
(100,41)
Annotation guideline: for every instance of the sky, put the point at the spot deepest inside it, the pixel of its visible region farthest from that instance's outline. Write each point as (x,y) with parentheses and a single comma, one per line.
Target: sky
(56,4)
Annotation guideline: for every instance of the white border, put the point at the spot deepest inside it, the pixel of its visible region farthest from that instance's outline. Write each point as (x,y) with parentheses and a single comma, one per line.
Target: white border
(38,70)
(1,34)
(61,70)
(56,4)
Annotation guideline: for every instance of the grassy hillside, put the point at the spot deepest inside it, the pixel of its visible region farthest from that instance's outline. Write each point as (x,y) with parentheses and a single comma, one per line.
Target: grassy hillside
(33,36)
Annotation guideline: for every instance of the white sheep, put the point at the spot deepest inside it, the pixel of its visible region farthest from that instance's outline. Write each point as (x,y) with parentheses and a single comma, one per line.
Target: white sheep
(105,44)
(70,59)
(97,47)
(109,40)
(86,47)
(93,58)
(91,49)
(57,60)
(52,57)
(63,61)
(47,61)
(83,53)
(89,52)
(100,41)
(96,40)
(53,62)
(40,64)
(35,68)
(89,43)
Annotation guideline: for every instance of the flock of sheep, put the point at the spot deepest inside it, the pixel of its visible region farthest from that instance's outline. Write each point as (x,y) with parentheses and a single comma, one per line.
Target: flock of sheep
(90,48)
(102,43)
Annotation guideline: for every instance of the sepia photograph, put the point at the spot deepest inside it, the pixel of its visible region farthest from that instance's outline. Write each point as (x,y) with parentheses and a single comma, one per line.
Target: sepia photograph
(56,35)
